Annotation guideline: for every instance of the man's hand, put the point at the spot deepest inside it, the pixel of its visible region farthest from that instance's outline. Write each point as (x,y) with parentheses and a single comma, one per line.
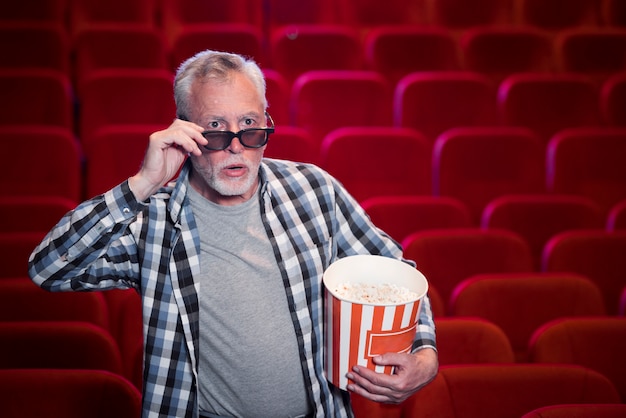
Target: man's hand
(412,372)
(167,150)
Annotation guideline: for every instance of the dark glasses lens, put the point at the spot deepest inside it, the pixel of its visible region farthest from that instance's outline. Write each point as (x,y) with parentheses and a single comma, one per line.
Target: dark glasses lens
(249,138)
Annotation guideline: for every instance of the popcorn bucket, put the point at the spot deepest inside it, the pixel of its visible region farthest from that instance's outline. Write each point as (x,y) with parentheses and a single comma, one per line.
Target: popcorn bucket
(356,331)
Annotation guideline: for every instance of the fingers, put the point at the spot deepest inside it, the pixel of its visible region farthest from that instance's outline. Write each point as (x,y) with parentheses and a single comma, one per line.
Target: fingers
(180,134)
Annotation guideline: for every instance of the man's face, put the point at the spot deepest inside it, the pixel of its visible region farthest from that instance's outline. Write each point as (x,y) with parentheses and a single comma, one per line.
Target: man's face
(229,176)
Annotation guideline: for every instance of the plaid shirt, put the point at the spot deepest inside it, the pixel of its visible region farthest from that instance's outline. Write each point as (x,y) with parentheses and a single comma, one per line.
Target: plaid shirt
(113,241)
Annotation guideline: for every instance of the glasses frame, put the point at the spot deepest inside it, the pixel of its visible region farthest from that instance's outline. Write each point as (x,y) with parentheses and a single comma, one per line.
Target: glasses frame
(269,130)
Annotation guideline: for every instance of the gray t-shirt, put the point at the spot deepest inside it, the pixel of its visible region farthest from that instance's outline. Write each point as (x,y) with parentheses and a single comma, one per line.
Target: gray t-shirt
(249,359)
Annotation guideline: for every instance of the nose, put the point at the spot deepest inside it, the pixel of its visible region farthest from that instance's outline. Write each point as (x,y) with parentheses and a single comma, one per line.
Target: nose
(235,146)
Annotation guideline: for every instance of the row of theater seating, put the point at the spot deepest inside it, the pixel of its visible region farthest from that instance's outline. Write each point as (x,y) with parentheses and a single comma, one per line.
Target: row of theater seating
(171,14)
(524,330)
(391,50)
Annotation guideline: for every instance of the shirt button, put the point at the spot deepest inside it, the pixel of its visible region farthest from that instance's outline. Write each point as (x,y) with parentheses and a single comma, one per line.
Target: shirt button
(126,210)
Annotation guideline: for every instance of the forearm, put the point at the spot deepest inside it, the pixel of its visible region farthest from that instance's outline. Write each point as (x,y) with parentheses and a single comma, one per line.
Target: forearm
(83,251)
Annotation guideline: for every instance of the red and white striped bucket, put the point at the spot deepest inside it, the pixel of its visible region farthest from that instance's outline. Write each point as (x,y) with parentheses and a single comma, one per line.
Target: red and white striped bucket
(355,332)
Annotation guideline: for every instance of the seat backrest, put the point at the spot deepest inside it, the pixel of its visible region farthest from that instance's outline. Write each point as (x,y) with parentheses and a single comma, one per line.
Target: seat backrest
(294,50)
(477,165)
(613,100)
(552,16)
(125,96)
(588,162)
(277,91)
(292,143)
(396,51)
(35,11)
(15,248)
(36,97)
(471,341)
(596,254)
(400,216)
(32,213)
(54,168)
(94,393)
(614,13)
(88,13)
(473,250)
(611,410)
(34,45)
(507,390)
(616,218)
(91,347)
(433,102)
(594,51)
(548,103)
(538,217)
(322,101)
(597,343)
(21,300)
(105,165)
(502,51)
(461,14)
(520,303)
(368,163)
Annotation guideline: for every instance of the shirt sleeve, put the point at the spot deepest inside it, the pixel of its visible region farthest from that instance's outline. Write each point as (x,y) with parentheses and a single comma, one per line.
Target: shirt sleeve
(90,247)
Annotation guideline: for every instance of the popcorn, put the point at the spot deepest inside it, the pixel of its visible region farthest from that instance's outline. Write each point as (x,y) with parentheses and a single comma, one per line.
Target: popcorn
(377,294)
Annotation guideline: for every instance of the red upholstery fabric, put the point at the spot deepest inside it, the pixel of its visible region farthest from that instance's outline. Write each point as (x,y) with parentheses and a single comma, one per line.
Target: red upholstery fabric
(378,161)
(587,162)
(58,345)
(448,256)
(506,391)
(295,50)
(88,13)
(67,393)
(460,14)
(292,143)
(22,300)
(471,341)
(616,218)
(594,51)
(556,15)
(596,254)
(613,410)
(396,51)
(504,50)
(322,101)
(521,303)
(435,101)
(539,217)
(598,343)
(34,45)
(32,213)
(476,165)
(277,91)
(613,100)
(123,97)
(46,11)
(15,248)
(548,103)
(36,97)
(400,216)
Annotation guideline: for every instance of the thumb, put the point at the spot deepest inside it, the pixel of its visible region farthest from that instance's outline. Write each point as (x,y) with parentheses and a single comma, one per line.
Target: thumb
(388,359)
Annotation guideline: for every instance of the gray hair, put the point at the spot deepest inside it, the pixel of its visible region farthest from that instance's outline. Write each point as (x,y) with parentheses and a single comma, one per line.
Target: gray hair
(213,65)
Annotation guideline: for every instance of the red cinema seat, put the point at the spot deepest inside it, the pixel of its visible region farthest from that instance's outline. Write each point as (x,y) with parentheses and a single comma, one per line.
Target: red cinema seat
(373,161)
(471,341)
(294,50)
(462,14)
(35,11)
(503,50)
(587,162)
(613,100)
(32,213)
(474,251)
(539,217)
(54,167)
(433,102)
(322,101)
(277,91)
(15,249)
(506,390)
(400,216)
(611,410)
(90,346)
(597,343)
(68,394)
(614,13)
(125,97)
(89,13)
(280,13)
(34,45)
(370,14)
(36,96)
(521,303)
(548,103)
(596,254)
(555,15)
(616,218)
(477,165)
(292,143)
(22,300)
(396,51)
